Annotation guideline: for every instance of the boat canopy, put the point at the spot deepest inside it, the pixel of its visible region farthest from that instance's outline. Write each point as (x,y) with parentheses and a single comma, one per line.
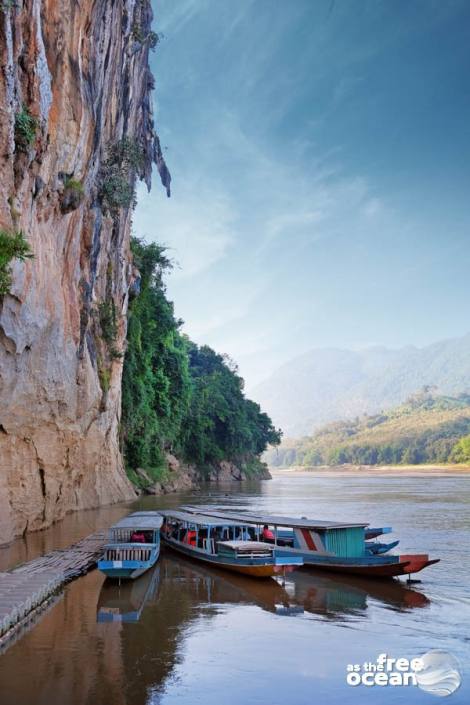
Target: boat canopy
(247,546)
(146,521)
(203,519)
(275,520)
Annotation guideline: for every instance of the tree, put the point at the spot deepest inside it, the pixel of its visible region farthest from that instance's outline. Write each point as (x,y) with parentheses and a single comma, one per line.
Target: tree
(178,396)
(461,451)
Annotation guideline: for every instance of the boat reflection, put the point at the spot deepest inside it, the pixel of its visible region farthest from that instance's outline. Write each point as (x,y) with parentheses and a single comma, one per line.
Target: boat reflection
(331,597)
(125,602)
(179,594)
(337,596)
(218,587)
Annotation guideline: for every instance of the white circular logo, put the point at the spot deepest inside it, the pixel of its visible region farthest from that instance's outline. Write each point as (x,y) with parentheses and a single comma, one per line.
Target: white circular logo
(438,673)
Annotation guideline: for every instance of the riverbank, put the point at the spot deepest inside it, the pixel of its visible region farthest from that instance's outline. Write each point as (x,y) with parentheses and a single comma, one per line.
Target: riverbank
(375,470)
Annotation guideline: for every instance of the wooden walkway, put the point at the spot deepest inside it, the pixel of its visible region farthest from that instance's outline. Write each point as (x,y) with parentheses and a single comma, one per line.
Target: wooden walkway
(29,587)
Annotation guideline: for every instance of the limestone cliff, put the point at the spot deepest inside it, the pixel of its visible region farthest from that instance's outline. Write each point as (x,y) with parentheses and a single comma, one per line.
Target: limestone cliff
(79,72)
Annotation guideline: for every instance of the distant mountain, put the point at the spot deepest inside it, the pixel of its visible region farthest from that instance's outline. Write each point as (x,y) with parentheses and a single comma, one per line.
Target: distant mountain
(425,429)
(331,384)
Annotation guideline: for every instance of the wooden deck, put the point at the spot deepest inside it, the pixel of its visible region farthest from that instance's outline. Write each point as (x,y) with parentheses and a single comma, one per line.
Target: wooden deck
(29,588)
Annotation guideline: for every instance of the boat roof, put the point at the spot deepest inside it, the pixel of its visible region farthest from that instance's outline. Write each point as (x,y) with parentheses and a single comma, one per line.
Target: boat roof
(276,520)
(251,545)
(206,519)
(140,520)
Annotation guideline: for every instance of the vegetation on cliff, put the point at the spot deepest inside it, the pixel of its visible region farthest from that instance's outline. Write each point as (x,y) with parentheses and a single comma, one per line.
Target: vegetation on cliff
(12,246)
(25,129)
(426,429)
(178,397)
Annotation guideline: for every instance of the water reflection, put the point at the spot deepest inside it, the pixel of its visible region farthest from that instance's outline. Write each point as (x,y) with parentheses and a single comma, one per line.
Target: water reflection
(328,596)
(131,640)
(191,635)
(192,597)
(337,596)
(125,601)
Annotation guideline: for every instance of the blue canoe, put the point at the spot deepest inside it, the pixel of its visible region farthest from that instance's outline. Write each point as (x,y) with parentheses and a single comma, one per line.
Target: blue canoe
(134,546)
(377,549)
(372,533)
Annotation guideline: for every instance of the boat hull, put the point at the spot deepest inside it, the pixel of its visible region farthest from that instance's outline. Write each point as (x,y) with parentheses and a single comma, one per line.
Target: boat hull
(126,570)
(246,567)
(124,573)
(379,566)
(390,570)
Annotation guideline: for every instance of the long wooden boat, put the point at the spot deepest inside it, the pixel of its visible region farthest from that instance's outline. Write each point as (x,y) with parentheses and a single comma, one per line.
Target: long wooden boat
(225,543)
(327,545)
(134,546)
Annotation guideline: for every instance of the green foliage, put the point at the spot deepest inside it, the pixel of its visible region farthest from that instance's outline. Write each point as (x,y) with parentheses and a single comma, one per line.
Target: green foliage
(175,395)
(73,185)
(127,153)
(425,429)
(461,451)
(6,5)
(125,159)
(72,195)
(104,376)
(12,246)
(117,192)
(25,129)
(109,326)
(222,423)
(153,39)
(150,38)
(155,387)
(137,33)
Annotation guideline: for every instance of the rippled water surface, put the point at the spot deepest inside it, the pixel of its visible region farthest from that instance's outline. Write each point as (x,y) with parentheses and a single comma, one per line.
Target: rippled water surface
(188,634)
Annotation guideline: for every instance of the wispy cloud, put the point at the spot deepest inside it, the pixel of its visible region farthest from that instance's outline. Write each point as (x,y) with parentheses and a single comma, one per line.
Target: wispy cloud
(295,218)
(197,227)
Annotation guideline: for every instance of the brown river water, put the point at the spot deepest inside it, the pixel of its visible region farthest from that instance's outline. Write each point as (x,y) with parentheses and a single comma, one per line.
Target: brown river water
(193,635)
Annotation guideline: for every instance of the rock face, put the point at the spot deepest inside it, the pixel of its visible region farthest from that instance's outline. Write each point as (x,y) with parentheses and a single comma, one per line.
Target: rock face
(183,477)
(81,71)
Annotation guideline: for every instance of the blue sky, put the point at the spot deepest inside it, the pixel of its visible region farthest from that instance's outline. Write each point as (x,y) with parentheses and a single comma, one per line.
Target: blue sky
(320,156)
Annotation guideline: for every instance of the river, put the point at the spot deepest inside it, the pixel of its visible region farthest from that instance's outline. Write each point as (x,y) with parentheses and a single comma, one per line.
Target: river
(187,634)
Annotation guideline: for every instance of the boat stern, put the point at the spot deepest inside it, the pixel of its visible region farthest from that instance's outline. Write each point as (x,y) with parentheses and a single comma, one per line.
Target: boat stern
(416,562)
(286,564)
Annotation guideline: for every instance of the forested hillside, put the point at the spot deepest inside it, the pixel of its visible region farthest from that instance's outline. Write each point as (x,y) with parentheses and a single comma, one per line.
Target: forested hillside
(332,385)
(178,397)
(426,429)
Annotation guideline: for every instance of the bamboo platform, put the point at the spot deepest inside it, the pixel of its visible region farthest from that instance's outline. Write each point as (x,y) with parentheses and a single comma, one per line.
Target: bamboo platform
(31,586)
